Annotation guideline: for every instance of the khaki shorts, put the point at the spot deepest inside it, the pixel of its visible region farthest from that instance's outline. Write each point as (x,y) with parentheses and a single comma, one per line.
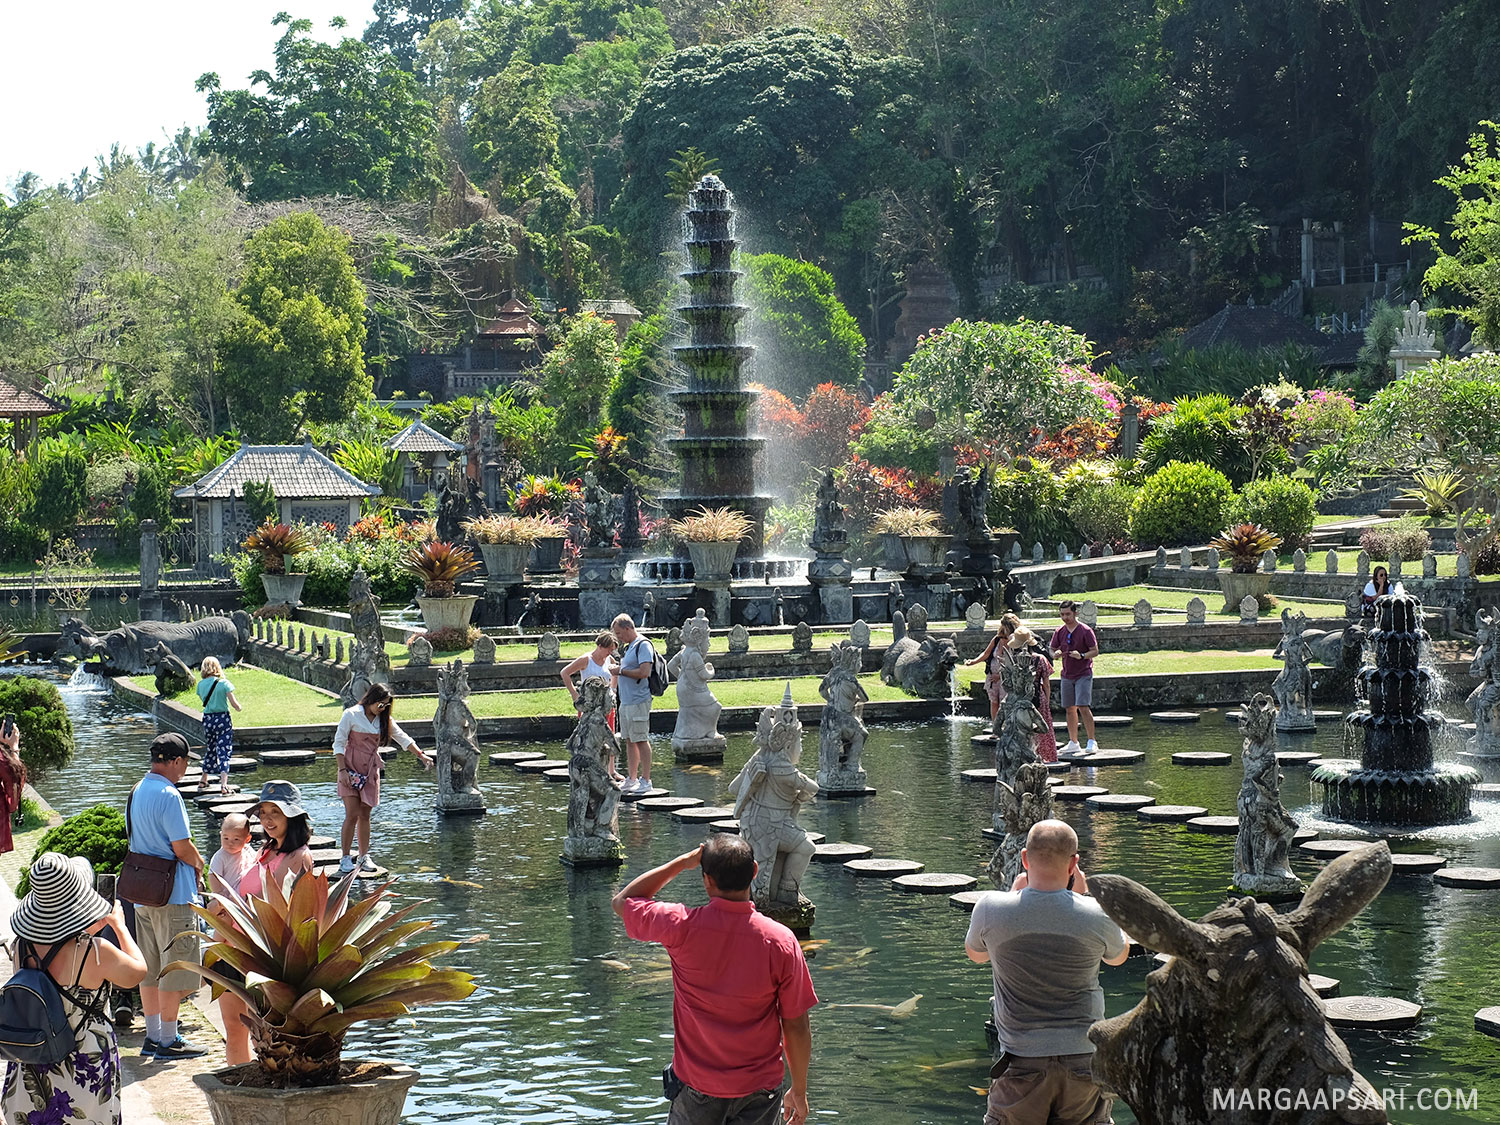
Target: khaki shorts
(1046,1089)
(635,721)
(156,930)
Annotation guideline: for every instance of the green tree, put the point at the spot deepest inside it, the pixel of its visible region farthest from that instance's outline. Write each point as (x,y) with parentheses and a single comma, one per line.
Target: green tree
(688,167)
(399,25)
(46,730)
(634,405)
(577,374)
(342,118)
(804,335)
(295,353)
(152,497)
(61,490)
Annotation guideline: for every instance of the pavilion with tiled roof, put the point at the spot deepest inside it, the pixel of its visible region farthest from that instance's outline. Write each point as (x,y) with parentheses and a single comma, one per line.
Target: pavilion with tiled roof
(24,407)
(309,488)
(1251,327)
(512,323)
(424,453)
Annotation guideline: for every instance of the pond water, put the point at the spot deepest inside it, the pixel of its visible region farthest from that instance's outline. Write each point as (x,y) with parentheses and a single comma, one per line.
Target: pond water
(555,1035)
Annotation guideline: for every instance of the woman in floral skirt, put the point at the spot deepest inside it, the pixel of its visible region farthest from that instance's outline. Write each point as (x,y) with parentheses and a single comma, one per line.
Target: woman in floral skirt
(218,697)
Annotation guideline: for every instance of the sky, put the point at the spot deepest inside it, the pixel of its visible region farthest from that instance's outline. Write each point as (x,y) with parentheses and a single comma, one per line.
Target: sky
(79,75)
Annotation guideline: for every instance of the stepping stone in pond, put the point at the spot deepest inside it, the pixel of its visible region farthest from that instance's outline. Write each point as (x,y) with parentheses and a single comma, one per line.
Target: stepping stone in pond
(1330,849)
(1296,757)
(1232,716)
(1403,864)
(1111,721)
(841,852)
(212,796)
(1175,716)
(979,777)
(668,804)
(559,775)
(883,868)
(1201,758)
(1171,814)
(1486,791)
(242,765)
(731,826)
(701,814)
(983,740)
(935,883)
(540,765)
(1059,767)
(1077,792)
(965,901)
(388,752)
(1327,716)
(1303,834)
(1215,825)
(1373,1013)
(1119,802)
(1109,758)
(1323,986)
(316,842)
(1487,1021)
(816,837)
(511,757)
(645,795)
(1056,782)
(1476,878)
(288,757)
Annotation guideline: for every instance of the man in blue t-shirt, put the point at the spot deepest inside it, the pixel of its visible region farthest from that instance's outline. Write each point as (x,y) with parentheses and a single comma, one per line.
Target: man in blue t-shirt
(159,827)
(634,713)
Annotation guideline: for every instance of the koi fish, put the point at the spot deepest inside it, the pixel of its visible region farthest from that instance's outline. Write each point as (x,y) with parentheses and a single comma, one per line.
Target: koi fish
(956,1064)
(617,966)
(461,883)
(895,1011)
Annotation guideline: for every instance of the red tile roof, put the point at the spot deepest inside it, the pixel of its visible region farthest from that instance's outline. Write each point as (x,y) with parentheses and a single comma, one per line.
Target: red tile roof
(21,402)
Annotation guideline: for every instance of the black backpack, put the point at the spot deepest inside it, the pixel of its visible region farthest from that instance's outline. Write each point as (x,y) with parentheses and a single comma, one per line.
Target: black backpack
(34,1025)
(659,679)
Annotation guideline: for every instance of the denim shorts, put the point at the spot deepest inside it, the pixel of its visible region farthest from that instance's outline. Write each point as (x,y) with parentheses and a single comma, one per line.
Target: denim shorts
(1079,692)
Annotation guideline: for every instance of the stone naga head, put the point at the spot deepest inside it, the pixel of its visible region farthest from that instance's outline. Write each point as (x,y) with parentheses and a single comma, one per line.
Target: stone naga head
(77,639)
(1258,717)
(1233,1010)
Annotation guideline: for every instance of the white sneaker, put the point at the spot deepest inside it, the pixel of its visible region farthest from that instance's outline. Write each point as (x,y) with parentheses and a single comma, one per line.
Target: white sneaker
(366,864)
(631,786)
(1092,747)
(346,865)
(1069,750)
(646,785)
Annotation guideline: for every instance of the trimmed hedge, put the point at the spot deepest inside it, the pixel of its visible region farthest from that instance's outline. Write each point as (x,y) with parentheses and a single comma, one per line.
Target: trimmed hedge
(1180,503)
(1282,505)
(97,834)
(46,730)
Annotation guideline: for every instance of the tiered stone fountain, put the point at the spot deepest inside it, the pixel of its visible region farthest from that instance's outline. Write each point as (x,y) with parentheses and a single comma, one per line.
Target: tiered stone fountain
(716,450)
(1396,781)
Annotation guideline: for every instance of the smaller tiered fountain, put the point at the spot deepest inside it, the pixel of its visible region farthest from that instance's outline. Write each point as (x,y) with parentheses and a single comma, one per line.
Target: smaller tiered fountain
(1395,782)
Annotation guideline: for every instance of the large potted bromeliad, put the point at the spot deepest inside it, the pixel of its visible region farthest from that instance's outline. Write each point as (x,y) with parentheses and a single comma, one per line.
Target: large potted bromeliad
(911,537)
(712,537)
(441,566)
(314,964)
(1245,545)
(275,543)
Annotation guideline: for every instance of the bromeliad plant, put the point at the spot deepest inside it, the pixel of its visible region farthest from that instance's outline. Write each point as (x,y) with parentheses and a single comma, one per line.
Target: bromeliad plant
(275,543)
(1245,544)
(316,964)
(440,566)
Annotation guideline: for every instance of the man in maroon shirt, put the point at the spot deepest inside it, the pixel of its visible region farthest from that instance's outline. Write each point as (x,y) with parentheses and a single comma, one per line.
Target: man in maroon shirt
(1075,644)
(741,992)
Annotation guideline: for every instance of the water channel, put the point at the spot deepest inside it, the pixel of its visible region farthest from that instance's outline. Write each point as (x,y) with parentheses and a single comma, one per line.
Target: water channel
(556,1035)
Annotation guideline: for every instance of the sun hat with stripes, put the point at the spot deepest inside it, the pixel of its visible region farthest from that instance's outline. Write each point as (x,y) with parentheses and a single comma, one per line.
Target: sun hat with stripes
(62,901)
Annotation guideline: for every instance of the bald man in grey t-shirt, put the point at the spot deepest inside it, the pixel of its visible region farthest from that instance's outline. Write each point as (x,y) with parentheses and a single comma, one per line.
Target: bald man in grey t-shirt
(1044,941)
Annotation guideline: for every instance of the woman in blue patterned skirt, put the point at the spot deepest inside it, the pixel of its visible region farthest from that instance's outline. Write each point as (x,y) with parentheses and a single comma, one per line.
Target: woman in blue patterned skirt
(217,695)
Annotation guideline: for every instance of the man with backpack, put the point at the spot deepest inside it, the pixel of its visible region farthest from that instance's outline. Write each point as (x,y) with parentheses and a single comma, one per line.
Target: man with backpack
(637,661)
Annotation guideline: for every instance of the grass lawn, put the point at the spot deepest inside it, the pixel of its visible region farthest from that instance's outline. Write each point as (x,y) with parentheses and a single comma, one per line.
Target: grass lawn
(1170,598)
(112,563)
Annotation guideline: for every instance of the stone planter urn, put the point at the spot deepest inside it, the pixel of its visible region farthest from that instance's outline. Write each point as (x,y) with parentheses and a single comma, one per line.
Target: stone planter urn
(505,563)
(283,589)
(713,562)
(925,553)
(1235,586)
(77,613)
(546,555)
(379,1098)
(446,613)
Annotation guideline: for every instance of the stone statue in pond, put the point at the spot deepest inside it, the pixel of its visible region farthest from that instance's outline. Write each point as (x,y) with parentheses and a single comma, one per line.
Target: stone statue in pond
(1484,701)
(841,733)
(1018,806)
(123,651)
(697,730)
(593,796)
(173,677)
(1266,828)
(598,514)
(1293,686)
(921,667)
(1233,1009)
(830,527)
(369,663)
(457,736)
(767,795)
(1018,723)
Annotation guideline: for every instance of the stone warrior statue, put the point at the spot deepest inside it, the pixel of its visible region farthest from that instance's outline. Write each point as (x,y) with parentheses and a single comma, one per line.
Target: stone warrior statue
(830,530)
(767,794)
(697,709)
(1293,686)
(841,734)
(598,514)
(457,736)
(1484,701)
(1017,808)
(368,661)
(1018,723)
(593,796)
(1266,828)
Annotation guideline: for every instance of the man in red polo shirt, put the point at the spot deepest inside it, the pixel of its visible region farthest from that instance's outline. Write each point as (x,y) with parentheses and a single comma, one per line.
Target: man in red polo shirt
(741,992)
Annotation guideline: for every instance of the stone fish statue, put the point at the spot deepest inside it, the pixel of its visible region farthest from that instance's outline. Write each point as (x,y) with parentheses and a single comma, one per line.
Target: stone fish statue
(768,793)
(593,796)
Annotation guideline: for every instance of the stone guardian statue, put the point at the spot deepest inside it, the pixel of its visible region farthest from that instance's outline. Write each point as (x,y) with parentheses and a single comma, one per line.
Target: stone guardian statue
(457,735)
(593,796)
(1293,686)
(1266,828)
(696,736)
(841,732)
(368,661)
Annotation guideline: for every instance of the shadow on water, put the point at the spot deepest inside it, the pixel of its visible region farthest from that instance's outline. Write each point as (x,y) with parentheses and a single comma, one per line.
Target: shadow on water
(557,1035)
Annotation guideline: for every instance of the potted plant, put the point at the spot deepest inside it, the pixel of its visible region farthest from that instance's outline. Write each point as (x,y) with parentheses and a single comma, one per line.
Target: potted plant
(315,965)
(712,536)
(68,571)
(440,566)
(275,543)
(911,537)
(1244,544)
(547,549)
(505,542)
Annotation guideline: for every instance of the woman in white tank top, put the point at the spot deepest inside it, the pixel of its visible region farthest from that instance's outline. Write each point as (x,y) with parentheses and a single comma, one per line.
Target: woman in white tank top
(595,665)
